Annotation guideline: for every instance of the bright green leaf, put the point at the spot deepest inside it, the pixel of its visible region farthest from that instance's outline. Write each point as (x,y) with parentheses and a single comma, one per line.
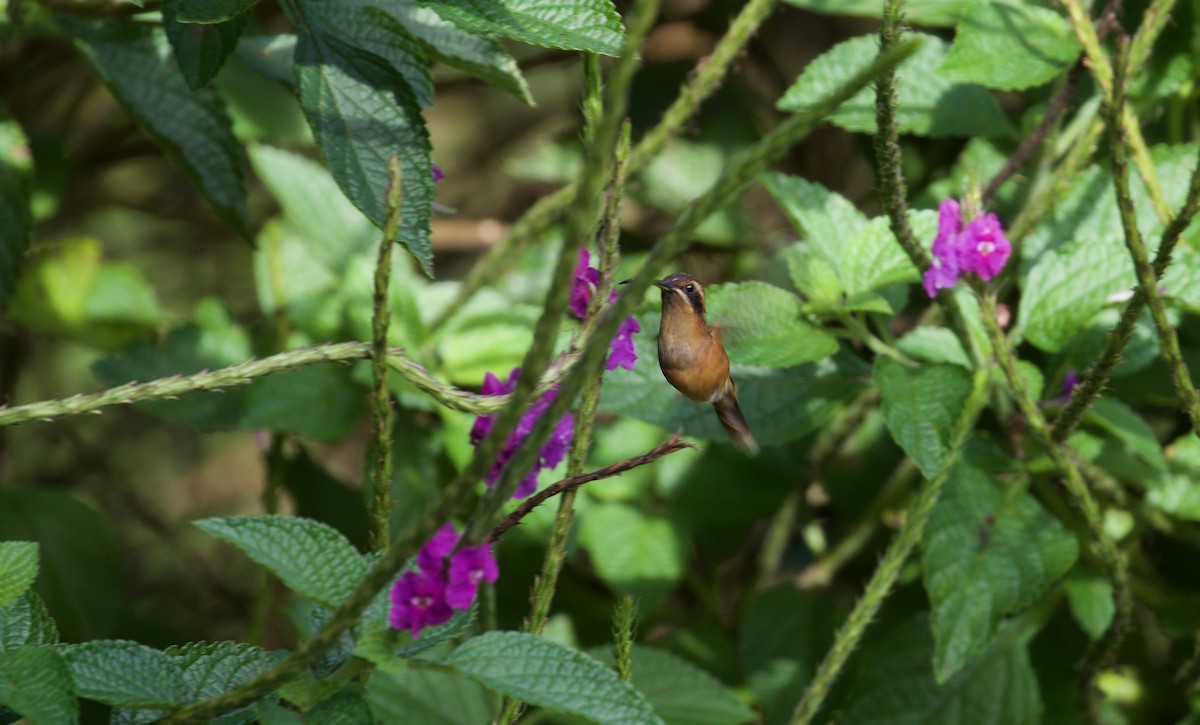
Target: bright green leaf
(16,217)
(34,682)
(119,672)
(928,103)
(307,556)
(588,25)
(921,407)
(25,621)
(18,569)
(634,552)
(935,345)
(428,697)
(990,551)
(761,324)
(1010,45)
(133,60)
(1092,604)
(552,676)
(1176,492)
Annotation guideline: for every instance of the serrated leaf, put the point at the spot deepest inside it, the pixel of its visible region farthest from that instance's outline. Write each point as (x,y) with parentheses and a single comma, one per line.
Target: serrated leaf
(634,552)
(921,407)
(26,621)
(919,12)
(211,11)
(201,50)
(124,673)
(310,557)
(134,62)
(483,58)
(552,676)
(362,112)
(780,404)
(935,345)
(16,216)
(761,324)
(1092,604)
(428,697)
(680,692)
(18,569)
(34,682)
(895,685)
(348,707)
(592,26)
(1010,45)
(990,551)
(928,103)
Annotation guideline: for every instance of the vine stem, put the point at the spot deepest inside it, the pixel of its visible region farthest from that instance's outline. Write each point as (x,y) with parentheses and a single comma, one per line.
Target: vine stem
(910,534)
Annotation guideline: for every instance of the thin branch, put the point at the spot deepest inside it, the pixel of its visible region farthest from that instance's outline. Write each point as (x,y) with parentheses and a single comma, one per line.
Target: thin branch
(667,447)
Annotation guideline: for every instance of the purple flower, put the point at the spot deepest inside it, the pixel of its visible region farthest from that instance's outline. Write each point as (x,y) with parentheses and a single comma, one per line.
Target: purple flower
(983,248)
(623,354)
(979,247)
(1070,381)
(492,386)
(587,278)
(418,601)
(468,567)
(430,557)
(437,173)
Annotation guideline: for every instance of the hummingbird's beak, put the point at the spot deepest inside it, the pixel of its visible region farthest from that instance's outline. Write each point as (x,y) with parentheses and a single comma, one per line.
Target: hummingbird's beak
(625,281)
(661,283)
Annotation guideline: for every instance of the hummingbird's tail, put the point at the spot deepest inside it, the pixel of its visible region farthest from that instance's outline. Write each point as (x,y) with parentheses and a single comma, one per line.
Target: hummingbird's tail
(731,416)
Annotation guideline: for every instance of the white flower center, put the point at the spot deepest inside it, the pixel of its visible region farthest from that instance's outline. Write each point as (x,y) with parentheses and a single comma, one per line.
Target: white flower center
(420,602)
(986,248)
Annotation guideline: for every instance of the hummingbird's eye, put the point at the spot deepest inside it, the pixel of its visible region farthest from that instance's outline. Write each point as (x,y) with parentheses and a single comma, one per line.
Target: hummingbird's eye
(690,288)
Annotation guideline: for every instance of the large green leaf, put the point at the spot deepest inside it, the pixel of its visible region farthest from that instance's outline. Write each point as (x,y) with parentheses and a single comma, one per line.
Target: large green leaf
(990,551)
(895,684)
(552,676)
(921,406)
(309,557)
(34,682)
(363,112)
(134,61)
(201,50)
(321,401)
(680,692)
(761,324)
(588,25)
(780,404)
(444,42)
(1010,45)
(16,217)
(25,621)
(918,12)
(634,552)
(79,565)
(428,697)
(928,103)
(119,672)
(18,569)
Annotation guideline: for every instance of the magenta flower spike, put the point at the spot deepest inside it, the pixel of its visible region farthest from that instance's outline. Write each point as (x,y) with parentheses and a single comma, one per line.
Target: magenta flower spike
(419,601)
(984,248)
(468,567)
(980,247)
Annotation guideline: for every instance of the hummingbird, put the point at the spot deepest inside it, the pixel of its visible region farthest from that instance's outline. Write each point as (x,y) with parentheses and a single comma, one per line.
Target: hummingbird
(692,358)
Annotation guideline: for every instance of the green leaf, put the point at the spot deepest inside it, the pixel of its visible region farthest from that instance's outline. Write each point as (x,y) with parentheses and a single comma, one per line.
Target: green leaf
(212,668)
(1176,492)
(1124,424)
(211,11)
(634,552)
(920,408)
(309,557)
(212,341)
(25,621)
(79,564)
(134,62)
(935,345)
(388,648)
(592,26)
(362,112)
(919,12)
(680,692)
(928,103)
(483,58)
(201,50)
(128,674)
(1092,604)
(549,675)
(428,697)
(762,325)
(319,400)
(34,682)
(18,569)
(784,635)
(1010,45)
(780,404)
(895,685)
(990,551)
(16,217)
(347,707)
(489,335)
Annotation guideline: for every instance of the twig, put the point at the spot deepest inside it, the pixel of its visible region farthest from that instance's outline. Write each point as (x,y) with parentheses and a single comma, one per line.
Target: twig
(670,445)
